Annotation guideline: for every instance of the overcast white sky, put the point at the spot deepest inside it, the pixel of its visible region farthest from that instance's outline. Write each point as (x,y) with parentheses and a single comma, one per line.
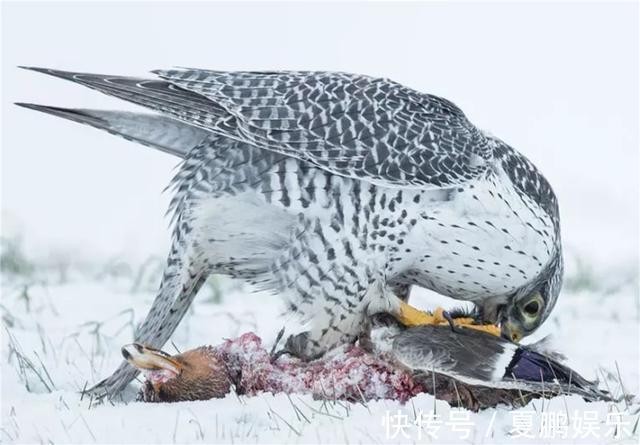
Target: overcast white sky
(558,82)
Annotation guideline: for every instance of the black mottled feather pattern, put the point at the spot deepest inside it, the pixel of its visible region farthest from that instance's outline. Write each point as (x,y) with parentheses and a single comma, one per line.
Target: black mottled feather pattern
(354,126)
(305,114)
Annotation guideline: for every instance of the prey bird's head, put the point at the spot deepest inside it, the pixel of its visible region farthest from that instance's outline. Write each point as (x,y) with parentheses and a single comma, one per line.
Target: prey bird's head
(197,374)
(527,309)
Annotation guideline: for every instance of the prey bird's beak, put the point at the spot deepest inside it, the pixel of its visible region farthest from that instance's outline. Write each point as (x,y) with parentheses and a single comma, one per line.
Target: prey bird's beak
(511,332)
(148,359)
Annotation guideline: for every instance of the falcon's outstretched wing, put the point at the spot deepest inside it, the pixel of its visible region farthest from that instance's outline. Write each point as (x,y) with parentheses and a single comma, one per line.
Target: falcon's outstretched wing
(351,125)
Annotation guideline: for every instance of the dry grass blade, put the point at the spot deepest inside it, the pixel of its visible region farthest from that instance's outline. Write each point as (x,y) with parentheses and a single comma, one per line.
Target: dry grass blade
(88,428)
(6,433)
(522,400)
(433,380)
(624,392)
(561,392)
(194,421)
(24,363)
(364,400)
(286,423)
(297,410)
(44,368)
(175,427)
(318,411)
(455,387)
(606,381)
(490,427)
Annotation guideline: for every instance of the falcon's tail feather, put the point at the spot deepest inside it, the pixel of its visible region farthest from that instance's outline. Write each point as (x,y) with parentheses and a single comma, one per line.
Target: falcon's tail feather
(157,95)
(159,132)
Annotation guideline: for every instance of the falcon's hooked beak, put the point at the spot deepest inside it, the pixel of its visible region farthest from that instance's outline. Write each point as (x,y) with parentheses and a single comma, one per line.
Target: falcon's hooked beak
(511,332)
(522,317)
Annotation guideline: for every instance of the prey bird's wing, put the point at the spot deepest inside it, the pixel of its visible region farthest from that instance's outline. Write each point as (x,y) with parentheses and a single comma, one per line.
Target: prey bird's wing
(483,360)
(156,131)
(470,357)
(350,125)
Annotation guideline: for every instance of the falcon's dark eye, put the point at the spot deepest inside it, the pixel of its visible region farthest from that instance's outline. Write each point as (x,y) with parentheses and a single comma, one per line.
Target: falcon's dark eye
(532,308)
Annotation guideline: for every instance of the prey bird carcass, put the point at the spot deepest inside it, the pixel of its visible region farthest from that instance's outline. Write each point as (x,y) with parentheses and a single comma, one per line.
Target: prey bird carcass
(338,192)
(464,367)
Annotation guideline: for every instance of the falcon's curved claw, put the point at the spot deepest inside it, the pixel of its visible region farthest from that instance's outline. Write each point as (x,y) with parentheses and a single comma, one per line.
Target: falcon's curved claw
(410,316)
(488,328)
(452,323)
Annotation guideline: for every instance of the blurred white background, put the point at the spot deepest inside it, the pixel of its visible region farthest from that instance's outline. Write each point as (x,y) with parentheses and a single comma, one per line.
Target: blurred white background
(559,82)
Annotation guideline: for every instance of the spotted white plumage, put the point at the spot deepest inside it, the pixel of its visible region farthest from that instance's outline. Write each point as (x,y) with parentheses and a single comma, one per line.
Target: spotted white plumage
(332,190)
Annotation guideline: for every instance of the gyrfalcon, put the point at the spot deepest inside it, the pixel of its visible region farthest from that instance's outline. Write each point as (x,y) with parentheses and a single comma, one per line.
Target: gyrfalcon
(338,192)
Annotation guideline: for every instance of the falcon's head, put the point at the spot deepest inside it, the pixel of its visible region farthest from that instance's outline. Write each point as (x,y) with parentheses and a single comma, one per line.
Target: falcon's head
(528,308)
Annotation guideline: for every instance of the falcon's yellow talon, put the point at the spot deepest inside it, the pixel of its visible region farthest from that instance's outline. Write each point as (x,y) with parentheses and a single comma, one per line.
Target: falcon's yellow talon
(410,316)
(438,314)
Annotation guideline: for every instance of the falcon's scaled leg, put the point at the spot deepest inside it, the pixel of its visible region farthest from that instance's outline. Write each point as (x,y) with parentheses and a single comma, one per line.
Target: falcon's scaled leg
(410,316)
(180,283)
(334,324)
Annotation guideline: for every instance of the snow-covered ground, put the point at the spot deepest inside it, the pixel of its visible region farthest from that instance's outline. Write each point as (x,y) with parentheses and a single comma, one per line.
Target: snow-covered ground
(57,338)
